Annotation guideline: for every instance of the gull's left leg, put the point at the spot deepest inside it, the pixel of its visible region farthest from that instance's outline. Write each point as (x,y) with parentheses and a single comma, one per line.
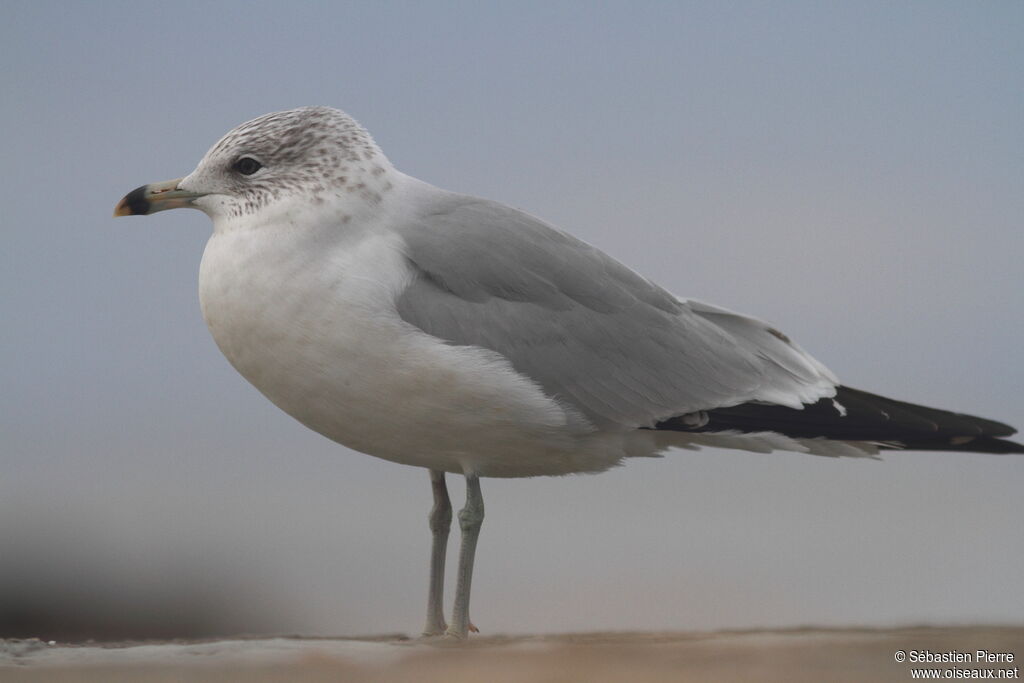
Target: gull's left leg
(440,522)
(470,519)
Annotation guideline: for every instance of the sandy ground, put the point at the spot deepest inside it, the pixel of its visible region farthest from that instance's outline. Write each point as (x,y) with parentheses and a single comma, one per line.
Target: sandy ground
(793,656)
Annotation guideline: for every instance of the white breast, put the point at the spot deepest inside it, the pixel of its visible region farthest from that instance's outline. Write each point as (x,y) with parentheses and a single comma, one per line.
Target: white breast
(309,319)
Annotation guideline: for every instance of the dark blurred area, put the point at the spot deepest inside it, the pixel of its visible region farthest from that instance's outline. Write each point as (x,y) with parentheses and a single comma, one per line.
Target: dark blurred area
(66,615)
(55,586)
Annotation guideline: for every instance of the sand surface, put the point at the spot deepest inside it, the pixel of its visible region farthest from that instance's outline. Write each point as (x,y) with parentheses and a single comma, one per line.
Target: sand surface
(792,655)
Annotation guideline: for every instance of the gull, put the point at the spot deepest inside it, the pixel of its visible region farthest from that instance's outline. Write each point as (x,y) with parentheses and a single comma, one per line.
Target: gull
(457,334)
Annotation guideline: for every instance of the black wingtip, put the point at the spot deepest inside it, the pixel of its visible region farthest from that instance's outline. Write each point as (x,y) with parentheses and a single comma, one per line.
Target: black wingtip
(855,415)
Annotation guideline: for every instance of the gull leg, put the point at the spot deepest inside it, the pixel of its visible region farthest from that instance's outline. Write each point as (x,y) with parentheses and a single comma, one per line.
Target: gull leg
(440,519)
(470,519)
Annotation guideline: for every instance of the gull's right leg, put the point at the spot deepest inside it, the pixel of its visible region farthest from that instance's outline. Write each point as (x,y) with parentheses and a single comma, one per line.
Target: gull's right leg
(470,519)
(440,522)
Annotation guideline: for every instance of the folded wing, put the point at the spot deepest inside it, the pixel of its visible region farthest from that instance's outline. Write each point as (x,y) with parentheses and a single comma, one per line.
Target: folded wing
(588,330)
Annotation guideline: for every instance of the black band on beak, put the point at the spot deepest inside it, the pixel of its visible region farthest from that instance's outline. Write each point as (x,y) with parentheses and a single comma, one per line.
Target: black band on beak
(135,203)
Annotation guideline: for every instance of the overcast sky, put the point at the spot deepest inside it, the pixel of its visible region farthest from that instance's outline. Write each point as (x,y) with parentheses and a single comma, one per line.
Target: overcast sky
(852,172)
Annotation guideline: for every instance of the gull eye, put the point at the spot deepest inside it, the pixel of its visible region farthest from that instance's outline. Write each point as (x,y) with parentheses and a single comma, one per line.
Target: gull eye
(247,166)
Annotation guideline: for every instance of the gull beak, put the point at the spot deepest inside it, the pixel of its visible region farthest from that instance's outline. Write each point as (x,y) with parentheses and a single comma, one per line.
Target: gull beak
(154,197)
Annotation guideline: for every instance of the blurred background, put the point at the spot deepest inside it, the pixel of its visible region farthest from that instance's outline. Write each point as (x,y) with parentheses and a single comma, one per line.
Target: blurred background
(852,172)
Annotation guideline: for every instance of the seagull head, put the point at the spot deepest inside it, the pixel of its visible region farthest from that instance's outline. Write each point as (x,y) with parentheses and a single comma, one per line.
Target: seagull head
(309,155)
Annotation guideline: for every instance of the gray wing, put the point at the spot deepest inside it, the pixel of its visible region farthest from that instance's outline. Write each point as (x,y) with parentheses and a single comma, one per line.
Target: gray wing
(587,329)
